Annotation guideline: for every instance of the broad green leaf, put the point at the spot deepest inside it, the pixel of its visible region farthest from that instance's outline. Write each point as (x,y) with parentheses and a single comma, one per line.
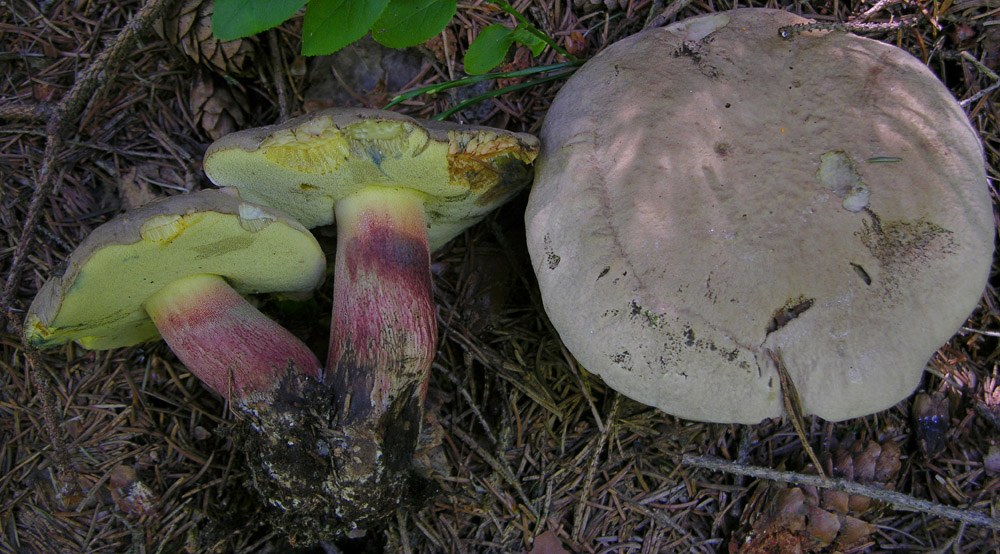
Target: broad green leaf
(330,25)
(488,49)
(410,22)
(235,19)
(525,37)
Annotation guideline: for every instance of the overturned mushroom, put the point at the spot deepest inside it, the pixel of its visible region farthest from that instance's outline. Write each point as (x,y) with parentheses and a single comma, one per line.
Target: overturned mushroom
(823,199)
(398,189)
(175,268)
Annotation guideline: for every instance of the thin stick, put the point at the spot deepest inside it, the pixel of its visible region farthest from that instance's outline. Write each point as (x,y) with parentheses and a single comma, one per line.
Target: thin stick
(988,90)
(899,500)
(278,68)
(981,332)
(879,6)
(31,112)
(66,475)
(789,32)
(672,10)
(793,408)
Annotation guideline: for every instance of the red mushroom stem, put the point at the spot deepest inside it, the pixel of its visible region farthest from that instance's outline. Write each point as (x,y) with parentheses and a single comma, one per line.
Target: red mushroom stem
(224,341)
(384,332)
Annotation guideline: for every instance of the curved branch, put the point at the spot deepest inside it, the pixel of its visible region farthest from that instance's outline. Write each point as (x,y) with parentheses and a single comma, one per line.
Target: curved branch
(60,121)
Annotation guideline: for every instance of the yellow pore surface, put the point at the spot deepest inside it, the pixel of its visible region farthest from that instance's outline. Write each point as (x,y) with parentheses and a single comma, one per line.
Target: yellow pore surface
(102,307)
(305,170)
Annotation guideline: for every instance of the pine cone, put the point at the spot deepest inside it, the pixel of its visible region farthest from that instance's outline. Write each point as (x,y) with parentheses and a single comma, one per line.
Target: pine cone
(795,522)
(521,60)
(442,46)
(804,519)
(188,27)
(215,106)
(870,463)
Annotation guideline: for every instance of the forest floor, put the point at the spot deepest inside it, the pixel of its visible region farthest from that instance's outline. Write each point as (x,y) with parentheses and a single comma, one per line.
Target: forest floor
(124,451)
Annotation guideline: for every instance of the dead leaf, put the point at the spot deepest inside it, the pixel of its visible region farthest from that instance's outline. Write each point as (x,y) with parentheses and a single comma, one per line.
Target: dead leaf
(134,192)
(547,543)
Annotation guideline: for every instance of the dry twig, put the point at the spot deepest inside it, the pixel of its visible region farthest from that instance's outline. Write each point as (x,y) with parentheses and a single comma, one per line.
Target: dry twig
(988,72)
(793,408)
(278,69)
(579,514)
(899,500)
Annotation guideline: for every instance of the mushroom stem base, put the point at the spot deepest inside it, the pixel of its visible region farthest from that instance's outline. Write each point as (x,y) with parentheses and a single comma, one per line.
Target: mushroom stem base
(326,481)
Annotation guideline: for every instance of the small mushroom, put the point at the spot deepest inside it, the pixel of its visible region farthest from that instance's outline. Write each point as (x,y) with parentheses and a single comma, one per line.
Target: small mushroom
(176,268)
(822,199)
(398,189)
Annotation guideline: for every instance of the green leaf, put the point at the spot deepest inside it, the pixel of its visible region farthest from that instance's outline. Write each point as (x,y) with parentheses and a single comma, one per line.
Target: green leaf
(528,39)
(488,49)
(410,22)
(330,25)
(235,19)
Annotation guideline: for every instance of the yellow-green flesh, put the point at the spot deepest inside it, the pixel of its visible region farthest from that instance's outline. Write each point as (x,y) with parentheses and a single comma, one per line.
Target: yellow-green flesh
(102,307)
(304,170)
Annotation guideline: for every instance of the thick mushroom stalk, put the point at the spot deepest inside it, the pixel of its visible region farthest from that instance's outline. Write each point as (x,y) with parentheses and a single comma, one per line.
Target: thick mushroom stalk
(175,269)
(398,188)
(384,331)
(382,342)
(223,340)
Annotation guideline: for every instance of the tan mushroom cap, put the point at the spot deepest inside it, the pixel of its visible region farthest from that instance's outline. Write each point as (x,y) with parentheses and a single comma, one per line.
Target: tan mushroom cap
(709,192)
(97,300)
(304,165)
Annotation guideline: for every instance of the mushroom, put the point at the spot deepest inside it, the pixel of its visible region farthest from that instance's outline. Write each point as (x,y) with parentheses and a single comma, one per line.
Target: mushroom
(398,189)
(175,268)
(821,200)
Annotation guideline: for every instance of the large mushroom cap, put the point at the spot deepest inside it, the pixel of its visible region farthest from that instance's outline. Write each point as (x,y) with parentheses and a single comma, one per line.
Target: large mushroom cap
(97,299)
(305,165)
(709,192)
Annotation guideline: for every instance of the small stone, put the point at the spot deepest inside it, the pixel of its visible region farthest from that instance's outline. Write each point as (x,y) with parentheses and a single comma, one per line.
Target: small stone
(992,460)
